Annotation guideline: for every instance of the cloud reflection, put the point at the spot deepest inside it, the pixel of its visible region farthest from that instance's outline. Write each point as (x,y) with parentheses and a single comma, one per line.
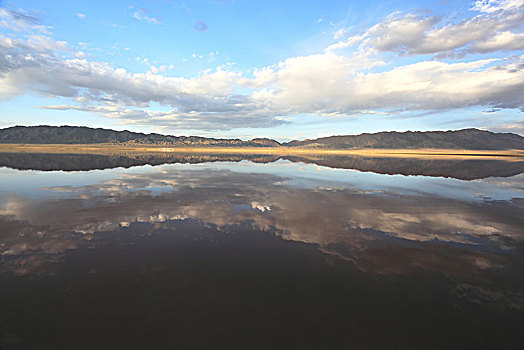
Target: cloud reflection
(381,232)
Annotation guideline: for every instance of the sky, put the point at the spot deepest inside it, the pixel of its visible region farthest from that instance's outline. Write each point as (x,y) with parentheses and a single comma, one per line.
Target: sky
(279,69)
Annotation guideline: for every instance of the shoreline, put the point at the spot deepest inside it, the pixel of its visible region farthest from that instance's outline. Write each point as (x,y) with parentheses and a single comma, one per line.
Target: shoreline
(109,149)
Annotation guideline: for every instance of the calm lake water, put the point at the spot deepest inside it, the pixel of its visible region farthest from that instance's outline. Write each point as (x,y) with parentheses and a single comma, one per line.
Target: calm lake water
(196,251)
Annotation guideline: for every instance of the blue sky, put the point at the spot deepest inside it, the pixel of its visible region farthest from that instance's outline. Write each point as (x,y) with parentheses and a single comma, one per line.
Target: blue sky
(280,69)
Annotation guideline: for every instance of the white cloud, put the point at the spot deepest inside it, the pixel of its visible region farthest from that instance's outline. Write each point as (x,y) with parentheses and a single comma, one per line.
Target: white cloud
(501,41)
(516,127)
(141,15)
(322,84)
(491,30)
(43,43)
(342,32)
(211,120)
(490,6)
(18,20)
(352,40)
(81,15)
(329,83)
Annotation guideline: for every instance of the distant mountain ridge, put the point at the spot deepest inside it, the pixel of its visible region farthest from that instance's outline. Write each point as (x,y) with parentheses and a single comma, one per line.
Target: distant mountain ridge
(460,139)
(84,135)
(457,139)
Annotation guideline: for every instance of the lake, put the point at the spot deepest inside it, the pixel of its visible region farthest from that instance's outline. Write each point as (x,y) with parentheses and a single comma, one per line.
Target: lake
(212,251)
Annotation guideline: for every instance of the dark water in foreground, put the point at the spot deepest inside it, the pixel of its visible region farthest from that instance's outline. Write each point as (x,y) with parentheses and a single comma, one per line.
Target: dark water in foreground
(260,253)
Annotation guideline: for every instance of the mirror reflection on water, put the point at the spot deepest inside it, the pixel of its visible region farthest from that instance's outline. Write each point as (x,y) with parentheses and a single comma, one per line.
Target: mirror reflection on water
(151,251)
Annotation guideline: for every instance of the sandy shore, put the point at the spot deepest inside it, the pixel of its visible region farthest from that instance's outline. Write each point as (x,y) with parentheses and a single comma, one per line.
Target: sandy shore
(111,149)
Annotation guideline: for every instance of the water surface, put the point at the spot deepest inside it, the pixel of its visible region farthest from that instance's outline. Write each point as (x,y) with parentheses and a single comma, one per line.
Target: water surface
(149,251)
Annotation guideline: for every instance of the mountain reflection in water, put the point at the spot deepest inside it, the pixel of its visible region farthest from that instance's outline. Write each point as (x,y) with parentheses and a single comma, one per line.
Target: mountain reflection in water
(284,254)
(455,168)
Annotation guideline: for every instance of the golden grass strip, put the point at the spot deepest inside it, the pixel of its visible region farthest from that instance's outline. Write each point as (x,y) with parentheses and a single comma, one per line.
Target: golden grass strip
(112,149)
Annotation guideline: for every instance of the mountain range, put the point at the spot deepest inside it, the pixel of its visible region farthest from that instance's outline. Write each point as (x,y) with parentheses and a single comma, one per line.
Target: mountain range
(458,139)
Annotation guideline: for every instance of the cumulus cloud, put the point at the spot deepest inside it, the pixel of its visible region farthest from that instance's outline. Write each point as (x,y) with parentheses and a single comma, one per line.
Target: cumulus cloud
(212,120)
(328,83)
(501,41)
(498,26)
